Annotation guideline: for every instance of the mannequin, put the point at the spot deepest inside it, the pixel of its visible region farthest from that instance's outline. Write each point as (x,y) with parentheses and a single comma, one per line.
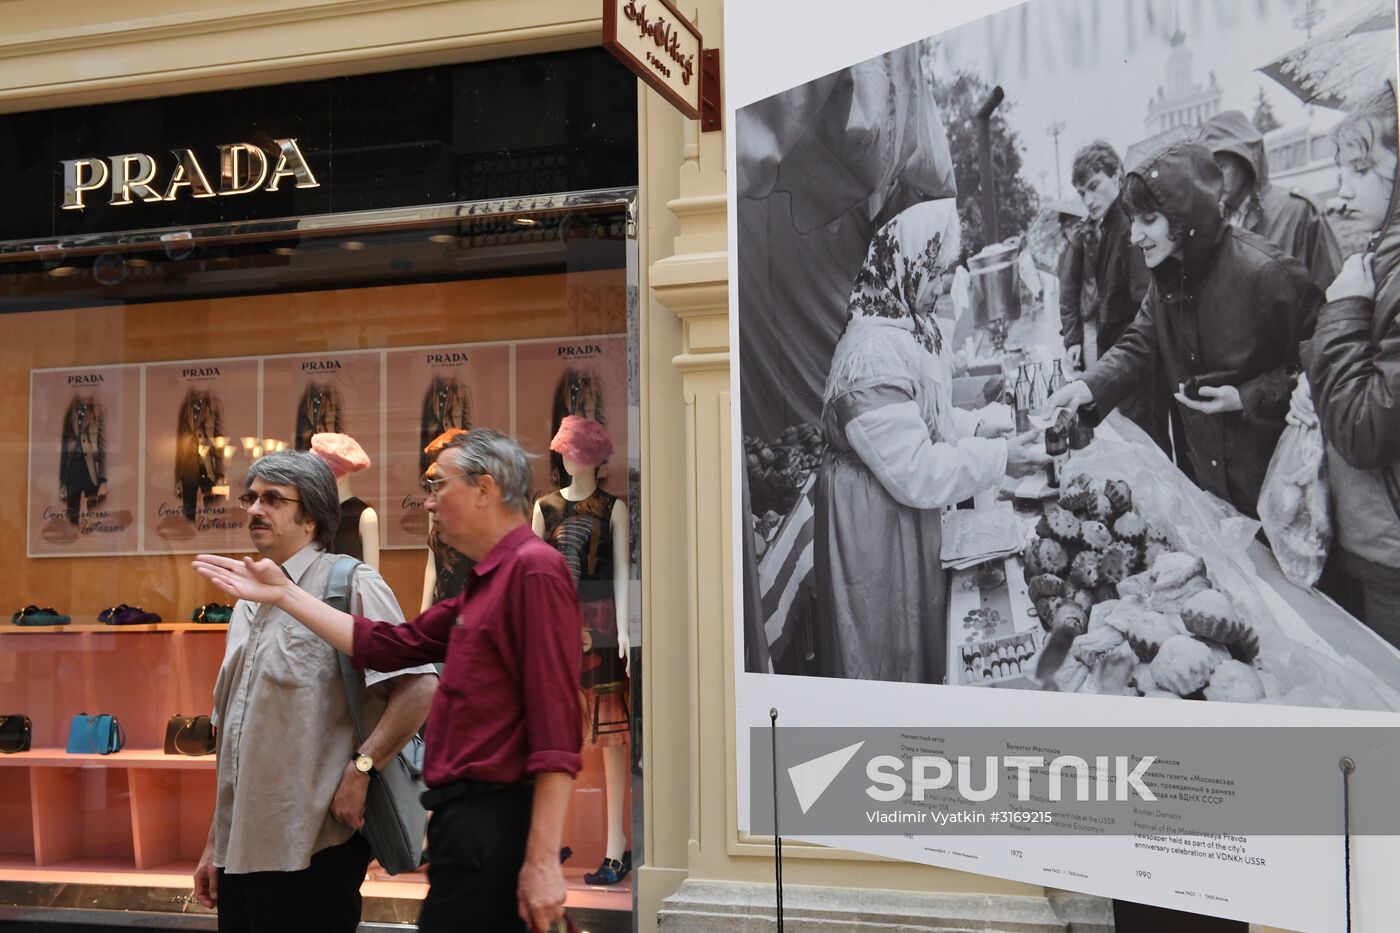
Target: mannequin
(358,534)
(590,528)
(446,573)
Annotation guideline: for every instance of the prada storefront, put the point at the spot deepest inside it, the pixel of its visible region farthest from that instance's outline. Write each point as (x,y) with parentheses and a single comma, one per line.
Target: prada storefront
(190,282)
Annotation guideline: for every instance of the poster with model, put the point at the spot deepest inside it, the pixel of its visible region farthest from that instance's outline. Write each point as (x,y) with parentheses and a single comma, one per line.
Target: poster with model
(84,461)
(1227,165)
(197,415)
(328,393)
(430,390)
(584,376)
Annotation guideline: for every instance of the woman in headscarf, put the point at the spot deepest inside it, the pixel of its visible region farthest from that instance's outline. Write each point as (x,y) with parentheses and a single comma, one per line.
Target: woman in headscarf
(897,453)
(1353,377)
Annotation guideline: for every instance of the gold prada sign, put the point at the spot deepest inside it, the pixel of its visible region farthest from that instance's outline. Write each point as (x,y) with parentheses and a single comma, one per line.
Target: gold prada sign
(243,169)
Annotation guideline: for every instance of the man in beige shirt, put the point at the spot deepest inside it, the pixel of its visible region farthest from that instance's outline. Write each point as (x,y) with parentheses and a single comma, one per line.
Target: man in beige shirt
(283,853)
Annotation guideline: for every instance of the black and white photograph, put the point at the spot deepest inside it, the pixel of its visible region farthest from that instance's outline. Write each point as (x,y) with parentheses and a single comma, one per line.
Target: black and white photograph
(1067,348)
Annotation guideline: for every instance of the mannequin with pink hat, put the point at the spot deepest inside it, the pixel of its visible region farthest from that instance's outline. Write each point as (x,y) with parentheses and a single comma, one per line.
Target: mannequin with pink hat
(358,534)
(589,526)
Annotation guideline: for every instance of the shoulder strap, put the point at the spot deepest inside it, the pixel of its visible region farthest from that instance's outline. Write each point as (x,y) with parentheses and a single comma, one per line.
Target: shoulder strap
(337,596)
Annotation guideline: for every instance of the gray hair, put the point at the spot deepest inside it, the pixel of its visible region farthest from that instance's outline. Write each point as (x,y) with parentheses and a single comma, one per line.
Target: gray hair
(485,451)
(314,483)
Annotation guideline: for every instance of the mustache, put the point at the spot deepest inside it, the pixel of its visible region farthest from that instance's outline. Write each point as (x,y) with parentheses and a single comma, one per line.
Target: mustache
(259,523)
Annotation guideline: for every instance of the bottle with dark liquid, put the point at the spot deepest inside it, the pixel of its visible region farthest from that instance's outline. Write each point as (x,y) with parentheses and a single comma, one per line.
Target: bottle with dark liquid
(1057,448)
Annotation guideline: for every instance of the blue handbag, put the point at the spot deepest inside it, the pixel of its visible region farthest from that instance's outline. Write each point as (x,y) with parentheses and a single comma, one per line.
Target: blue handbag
(95,735)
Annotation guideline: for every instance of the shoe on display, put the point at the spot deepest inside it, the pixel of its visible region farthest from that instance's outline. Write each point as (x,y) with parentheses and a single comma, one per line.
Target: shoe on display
(212,614)
(127,615)
(33,615)
(610,872)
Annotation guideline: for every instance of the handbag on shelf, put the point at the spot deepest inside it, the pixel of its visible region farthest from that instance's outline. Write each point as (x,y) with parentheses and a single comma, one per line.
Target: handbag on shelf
(394,816)
(189,735)
(34,615)
(16,732)
(95,735)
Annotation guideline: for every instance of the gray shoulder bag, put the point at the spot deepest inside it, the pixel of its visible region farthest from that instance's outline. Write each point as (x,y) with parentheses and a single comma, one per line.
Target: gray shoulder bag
(394,816)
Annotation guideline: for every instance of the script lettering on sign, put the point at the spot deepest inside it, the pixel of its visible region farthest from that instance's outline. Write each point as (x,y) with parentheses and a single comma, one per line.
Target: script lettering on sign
(243,169)
(659,45)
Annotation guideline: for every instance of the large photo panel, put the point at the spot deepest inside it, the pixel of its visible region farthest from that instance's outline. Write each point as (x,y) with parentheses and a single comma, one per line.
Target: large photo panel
(1163,205)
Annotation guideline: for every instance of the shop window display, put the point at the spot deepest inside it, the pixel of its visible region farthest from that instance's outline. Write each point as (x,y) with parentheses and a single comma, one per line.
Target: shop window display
(142,418)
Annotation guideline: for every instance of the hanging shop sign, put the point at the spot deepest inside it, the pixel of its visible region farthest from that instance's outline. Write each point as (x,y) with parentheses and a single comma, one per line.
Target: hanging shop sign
(660,45)
(243,169)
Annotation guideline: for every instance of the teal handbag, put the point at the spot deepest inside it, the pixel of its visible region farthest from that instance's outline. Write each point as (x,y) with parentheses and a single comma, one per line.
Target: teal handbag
(95,735)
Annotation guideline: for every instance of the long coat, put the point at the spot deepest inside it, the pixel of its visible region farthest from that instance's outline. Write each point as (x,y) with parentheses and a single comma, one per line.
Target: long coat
(1230,305)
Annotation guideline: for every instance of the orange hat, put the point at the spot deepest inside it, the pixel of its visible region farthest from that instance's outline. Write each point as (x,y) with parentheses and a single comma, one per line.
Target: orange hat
(342,453)
(443,439)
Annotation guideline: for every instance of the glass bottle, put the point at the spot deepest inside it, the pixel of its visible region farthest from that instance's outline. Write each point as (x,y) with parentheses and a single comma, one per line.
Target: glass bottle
(1023,401)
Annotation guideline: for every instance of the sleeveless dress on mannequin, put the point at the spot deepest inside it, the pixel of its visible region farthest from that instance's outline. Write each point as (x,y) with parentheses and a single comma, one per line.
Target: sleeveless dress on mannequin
(451,567)
(347,536)
(582,532)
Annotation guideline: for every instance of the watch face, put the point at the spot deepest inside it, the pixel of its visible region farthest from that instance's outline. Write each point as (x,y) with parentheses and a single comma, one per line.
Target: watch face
(364,764)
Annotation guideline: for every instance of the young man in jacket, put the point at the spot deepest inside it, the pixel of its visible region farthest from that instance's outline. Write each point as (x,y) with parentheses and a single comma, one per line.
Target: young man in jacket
(1223,318)
(1119,280)
(1288,219)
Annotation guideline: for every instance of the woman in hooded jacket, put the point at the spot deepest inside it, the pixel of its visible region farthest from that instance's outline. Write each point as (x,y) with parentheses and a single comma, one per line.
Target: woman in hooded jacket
(897,453)
(1353,378)
(1224,315)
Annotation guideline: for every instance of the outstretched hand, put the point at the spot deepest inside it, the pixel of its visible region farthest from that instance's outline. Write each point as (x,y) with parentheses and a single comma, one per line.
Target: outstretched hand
(257,581)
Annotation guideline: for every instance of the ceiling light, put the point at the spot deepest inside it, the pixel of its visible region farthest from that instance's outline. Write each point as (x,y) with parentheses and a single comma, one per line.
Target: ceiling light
(352,245)
(284,250)
(138,263)
(443,238)
(526,222)
(63,272)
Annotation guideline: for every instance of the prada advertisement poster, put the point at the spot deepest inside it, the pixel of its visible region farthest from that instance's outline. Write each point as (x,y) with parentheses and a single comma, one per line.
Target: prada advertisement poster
(430,390)
(151,458)
(84,461)
(1064,398)
(584,376)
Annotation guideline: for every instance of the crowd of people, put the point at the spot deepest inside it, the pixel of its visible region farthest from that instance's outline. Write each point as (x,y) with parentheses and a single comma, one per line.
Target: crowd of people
(1223,311)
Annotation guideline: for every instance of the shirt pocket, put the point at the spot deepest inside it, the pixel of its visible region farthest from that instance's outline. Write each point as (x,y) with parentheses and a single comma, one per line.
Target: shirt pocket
(295,657)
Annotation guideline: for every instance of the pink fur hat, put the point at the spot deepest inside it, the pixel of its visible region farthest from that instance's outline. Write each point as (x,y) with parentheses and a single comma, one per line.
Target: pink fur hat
(582,440)
(342,453)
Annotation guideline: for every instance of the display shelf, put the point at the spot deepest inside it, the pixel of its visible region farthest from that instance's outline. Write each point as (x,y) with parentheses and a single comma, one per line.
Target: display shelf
(16,819)
(136,758)
(81,627)
(170,815)
(81,813)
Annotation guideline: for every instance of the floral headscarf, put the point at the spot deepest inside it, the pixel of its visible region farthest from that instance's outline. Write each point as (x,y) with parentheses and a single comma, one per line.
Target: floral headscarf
(910,252)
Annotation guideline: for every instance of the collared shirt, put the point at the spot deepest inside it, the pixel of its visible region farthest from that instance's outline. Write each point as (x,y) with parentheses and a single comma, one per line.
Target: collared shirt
(285,733)
(507,706)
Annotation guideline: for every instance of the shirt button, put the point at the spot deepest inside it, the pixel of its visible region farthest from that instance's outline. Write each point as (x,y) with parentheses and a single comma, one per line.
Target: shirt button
(1214,464)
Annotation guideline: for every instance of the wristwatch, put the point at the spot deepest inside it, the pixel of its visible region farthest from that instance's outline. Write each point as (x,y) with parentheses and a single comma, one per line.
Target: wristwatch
(364,764)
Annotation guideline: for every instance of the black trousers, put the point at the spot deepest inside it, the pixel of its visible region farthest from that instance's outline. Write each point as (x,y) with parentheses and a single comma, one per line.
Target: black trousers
(476,845)
(324,896)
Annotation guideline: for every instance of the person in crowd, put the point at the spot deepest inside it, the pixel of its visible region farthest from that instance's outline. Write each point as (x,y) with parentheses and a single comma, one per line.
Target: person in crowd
(1288,219)
(1119,279)
(1353,378)
(283,853)
(897,453)
(503,739)
(1223,317)
(1076,291)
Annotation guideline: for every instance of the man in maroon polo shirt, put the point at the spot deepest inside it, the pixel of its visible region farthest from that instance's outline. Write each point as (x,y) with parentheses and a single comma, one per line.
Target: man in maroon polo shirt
(503,736)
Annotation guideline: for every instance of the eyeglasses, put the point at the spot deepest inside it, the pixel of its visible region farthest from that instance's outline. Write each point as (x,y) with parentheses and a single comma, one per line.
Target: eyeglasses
(270,499)
(431,483)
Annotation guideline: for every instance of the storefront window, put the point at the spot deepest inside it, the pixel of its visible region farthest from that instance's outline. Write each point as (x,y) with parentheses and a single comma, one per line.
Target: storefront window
(147,369)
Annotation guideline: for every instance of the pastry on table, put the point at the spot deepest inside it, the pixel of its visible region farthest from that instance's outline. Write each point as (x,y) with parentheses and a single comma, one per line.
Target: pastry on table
(1075,498)
(1145,629)
(1106,591)
(1049,555)
(1120,495)
(1095,534)
(1095,643)
(1070,615)
(1064,527)
(1182,665)
(1098,616)
(1234,681)
(1045,584)
(1138,586)
(1045,609)
(1099,508)
(1113,672)
(1116,562)
(1130,527)
(1084,570)
(1071,675)
(1210,614)
(1175,569)
(1083,598)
